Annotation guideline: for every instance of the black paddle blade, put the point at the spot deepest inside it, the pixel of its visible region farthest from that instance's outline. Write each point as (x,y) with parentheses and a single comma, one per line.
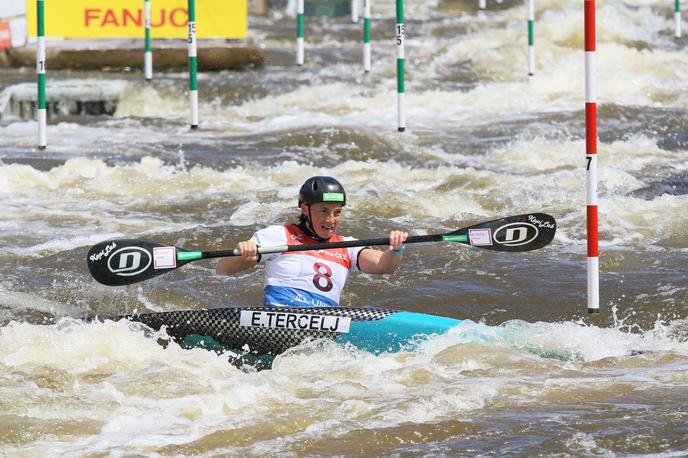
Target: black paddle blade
(527,232)
(123,262)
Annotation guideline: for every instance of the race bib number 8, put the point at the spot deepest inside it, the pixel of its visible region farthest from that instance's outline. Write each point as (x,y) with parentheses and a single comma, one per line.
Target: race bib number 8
(322,278)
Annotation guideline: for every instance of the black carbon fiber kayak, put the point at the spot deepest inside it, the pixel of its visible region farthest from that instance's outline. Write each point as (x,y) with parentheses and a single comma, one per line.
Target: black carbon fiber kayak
(270,331)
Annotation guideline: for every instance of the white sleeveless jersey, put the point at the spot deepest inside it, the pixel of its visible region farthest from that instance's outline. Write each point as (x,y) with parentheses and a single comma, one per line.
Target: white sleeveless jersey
(304,278)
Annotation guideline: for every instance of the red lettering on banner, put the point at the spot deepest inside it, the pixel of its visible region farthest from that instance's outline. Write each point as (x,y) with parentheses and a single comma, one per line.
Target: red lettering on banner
(110,18)
(91,14)
(5,37)
(173,14)
(127,14)
(162,18)
(97,17)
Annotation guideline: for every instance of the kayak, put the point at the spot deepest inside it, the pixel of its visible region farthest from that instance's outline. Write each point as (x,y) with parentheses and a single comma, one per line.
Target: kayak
(269,331)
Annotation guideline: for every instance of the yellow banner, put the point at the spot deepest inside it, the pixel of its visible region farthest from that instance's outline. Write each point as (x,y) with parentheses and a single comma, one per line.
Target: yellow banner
(125,18)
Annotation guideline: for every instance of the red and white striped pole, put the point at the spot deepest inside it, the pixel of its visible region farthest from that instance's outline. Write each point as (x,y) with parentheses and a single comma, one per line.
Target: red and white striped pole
(591,159)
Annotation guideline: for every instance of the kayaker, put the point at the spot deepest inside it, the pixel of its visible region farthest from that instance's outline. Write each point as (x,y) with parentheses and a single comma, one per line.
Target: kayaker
(312,278)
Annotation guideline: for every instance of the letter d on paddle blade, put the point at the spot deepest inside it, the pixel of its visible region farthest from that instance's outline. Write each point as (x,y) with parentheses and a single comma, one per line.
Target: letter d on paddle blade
(513,233)
(123,262)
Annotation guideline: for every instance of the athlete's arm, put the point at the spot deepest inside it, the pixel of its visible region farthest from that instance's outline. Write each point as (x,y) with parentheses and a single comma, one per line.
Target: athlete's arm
(233,264)
(373,261)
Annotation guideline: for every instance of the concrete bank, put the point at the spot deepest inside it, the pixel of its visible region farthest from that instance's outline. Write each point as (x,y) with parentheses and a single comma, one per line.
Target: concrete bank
(81,55)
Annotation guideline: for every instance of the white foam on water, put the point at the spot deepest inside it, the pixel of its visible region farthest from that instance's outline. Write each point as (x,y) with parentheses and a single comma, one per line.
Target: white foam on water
(504,88)
(17,300)
(587,343)
(69,139)
(495,53)
(150,102)
(509,179)
(143,396)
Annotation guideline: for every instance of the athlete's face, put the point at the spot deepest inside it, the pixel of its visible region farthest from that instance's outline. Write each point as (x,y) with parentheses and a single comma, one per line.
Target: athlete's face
(325,218)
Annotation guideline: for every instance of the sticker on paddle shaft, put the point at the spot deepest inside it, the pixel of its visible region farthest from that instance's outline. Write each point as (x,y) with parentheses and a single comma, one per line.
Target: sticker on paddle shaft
(480,237)
(123,262)
(164,257)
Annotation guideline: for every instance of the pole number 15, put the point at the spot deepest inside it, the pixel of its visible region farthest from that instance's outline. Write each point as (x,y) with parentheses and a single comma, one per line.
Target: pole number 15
(192,31)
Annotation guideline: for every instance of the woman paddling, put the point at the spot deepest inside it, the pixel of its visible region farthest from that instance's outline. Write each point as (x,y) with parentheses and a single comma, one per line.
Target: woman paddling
(312,278)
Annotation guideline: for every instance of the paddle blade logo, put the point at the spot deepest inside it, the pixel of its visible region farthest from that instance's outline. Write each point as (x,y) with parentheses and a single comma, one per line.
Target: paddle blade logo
(516,234)
(129,261)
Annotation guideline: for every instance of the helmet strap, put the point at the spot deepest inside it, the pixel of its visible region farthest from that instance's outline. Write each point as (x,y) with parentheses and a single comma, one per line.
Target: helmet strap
(308,228)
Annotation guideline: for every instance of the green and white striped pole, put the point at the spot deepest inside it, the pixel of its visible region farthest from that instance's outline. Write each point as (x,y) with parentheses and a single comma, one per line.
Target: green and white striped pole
(299,32)
(531,47)
(193,83)
(366,36)
(401,121)
(40,70)
(677,18)
(148,55)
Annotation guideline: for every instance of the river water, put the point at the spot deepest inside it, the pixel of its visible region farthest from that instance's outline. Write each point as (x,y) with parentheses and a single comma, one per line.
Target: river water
(484,140)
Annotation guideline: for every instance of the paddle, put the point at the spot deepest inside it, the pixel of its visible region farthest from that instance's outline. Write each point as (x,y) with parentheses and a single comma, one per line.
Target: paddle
(123,262)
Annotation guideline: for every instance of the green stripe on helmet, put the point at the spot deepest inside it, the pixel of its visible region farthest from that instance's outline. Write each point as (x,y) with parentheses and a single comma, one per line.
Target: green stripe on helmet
(333,197)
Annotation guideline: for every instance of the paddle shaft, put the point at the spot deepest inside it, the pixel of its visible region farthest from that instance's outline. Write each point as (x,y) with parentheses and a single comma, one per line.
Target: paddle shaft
(192,255)
(125,261)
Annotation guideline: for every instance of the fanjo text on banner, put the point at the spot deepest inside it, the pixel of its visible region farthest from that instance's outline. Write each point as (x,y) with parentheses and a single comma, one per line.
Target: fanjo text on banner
(124,18)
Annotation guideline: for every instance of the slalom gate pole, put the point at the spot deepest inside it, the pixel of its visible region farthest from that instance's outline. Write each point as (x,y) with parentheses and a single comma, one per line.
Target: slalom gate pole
(354,11)
(591,159)
(299,32)
(193,82)
(400,32)
(148,54)
(677,18)
(366,36)
(531,44)
(41,111)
